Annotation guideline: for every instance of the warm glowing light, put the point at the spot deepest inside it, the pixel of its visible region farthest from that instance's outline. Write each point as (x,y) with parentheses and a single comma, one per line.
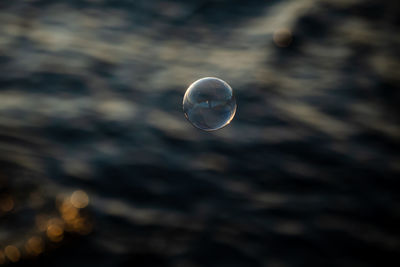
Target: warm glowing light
(55,233)
(12,253)
(82,226)
(55,221)
(55,230)
(79,199)
(283,37)
(6,203)
(2,257)
(34,245)
(68,211)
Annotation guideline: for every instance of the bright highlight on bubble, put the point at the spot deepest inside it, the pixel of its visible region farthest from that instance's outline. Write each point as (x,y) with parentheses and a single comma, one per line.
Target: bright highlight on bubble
(209,104)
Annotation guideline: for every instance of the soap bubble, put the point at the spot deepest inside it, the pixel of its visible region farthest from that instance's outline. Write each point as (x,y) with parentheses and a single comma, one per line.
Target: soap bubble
(209,104)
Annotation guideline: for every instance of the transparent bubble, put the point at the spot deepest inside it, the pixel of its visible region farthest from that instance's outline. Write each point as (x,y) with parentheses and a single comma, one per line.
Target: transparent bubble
(209,104)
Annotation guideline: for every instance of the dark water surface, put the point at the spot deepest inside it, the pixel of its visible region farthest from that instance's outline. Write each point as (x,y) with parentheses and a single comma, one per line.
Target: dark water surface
(99,167)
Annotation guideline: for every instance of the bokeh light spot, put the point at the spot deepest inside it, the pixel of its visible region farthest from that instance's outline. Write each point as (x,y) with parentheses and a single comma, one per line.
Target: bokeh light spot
(82,226)
(2,257)
(283,37)
(79,199)
(55,230)
(12,253)
(67,210)
(34,245)
(6,203)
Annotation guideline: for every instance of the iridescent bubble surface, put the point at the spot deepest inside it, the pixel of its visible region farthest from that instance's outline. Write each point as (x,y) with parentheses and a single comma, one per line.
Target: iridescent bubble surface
(209,104)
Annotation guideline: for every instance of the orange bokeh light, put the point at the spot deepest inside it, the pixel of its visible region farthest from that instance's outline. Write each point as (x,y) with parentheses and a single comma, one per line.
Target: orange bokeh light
(79,199)
(6,203)
(55,230)
(2,257)
(12,253)
(34,245)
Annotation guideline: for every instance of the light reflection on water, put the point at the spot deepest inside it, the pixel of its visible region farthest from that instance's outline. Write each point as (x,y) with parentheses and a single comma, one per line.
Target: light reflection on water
(96,157)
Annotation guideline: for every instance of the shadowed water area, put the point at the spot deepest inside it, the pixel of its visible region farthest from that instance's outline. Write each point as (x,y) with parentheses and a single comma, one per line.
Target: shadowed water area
(99,167)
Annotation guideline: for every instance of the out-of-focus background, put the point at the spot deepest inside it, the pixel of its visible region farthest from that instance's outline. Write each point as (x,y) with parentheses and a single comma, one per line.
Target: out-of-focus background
(98,166)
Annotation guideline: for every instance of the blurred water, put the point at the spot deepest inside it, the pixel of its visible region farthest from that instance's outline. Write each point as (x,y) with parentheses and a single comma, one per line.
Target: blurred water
(99,165)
